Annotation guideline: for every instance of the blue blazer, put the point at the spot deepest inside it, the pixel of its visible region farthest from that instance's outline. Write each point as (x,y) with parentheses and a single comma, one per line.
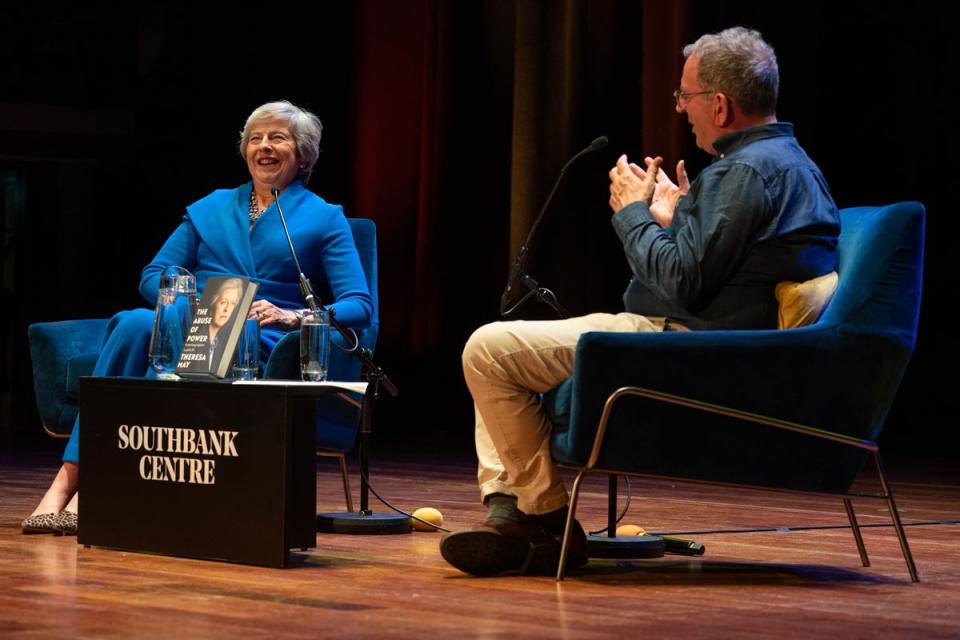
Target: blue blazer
(214,239)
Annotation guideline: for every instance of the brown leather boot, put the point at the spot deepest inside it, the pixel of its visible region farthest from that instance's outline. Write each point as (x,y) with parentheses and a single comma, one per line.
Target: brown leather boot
(510,540)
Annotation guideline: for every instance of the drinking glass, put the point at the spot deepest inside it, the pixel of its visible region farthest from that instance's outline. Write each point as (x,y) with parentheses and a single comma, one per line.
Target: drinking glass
(246,360)
(314,345)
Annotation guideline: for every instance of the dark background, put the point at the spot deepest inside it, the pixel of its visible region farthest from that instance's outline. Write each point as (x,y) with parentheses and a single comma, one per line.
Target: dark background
(113,119)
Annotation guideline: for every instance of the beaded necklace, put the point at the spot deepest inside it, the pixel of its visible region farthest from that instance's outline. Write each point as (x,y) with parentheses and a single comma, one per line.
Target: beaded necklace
(255,210)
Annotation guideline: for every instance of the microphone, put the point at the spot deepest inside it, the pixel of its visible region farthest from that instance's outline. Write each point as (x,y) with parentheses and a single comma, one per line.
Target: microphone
(349,335)
(365,521)
(682,546)
(518,280)
(305,288)
(595,145)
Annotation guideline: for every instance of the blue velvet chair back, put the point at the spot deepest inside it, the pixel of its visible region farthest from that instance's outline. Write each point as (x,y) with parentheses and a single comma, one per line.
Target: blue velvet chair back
(876,306)
(881,267)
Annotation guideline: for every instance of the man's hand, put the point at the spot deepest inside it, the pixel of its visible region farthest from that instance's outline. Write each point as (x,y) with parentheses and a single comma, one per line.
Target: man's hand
(626,187)
(667,194)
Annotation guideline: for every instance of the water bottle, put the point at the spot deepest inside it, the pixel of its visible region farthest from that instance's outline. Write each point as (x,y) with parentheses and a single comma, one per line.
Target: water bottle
(176,306)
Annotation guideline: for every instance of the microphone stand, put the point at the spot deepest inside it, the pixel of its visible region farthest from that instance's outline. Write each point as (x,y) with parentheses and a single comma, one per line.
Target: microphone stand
(598,546)
(518,273)
(365,521)
(534,290)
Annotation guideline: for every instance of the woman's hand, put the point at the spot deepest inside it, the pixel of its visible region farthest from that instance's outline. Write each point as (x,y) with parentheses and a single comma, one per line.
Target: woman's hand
(271,315)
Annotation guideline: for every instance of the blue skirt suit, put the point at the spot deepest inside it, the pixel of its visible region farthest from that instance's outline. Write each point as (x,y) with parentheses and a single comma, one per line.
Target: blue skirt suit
(215,239)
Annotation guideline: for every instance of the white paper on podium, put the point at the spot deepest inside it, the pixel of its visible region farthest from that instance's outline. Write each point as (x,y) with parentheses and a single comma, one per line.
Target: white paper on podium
(356,387)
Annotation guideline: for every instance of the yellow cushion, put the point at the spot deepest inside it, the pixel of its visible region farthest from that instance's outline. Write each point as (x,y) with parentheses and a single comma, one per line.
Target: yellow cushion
(801,303)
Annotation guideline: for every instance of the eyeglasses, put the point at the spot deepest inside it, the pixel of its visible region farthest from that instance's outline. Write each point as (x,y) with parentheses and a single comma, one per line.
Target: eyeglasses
(682,98)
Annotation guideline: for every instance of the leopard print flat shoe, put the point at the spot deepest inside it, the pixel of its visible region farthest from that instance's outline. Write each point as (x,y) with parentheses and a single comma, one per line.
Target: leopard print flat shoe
(41,523)
(67,523)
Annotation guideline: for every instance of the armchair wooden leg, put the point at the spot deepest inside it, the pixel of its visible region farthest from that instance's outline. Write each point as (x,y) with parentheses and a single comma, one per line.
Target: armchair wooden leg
(568,527)
(344,474)
(895,516)
(856,532)
(346,482)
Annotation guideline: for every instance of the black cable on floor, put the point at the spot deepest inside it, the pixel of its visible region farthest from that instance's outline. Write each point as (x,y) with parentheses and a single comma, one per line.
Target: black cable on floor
(390,506)
(807,528)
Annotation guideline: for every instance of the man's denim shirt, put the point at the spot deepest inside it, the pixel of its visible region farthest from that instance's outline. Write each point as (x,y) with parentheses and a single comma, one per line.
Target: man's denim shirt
(760,214)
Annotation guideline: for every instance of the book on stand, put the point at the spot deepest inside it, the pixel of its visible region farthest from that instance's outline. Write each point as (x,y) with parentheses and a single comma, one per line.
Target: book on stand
(216,327)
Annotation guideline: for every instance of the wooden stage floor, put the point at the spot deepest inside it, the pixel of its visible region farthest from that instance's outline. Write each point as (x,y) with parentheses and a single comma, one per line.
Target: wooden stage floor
(765,583)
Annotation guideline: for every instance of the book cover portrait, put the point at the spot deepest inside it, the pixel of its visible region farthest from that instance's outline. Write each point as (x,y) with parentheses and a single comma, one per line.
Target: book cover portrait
(208,350)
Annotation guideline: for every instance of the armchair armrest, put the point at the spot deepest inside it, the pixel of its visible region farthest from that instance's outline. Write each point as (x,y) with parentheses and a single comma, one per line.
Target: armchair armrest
(812,376)
(284,360)
(815,376)
(336,419)
(610,404)
(61,352)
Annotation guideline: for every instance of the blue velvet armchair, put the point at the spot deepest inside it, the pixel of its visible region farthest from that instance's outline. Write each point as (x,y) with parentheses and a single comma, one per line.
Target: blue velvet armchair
(64,351)
(798,409)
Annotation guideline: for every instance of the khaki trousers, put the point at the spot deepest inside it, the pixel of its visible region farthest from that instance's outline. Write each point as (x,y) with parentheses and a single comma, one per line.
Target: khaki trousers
(507,365)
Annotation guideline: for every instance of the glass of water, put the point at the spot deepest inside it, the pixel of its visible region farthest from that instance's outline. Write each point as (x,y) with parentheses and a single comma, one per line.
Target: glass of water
(314,345)
(246,360)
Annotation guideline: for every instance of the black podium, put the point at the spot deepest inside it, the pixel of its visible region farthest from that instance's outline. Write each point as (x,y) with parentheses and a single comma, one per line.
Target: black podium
(210,470)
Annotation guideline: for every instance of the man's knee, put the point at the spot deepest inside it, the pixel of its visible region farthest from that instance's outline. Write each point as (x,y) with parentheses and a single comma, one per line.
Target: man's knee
(482,344)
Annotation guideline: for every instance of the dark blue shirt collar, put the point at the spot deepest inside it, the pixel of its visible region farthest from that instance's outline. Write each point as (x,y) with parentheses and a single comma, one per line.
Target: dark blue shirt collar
(727,144)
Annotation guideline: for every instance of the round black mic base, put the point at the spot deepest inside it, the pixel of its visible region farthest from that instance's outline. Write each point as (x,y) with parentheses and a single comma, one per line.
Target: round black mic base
(646,546)
(359,524)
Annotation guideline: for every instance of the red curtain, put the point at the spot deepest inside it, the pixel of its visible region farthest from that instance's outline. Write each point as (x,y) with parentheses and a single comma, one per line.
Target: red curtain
(398,116)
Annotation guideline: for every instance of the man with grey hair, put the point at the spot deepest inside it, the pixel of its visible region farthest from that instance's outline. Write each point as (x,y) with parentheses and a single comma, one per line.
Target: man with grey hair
(705,255)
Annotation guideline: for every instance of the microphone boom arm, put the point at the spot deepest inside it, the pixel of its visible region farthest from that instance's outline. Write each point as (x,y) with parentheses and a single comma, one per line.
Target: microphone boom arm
(518,275)
(374,371)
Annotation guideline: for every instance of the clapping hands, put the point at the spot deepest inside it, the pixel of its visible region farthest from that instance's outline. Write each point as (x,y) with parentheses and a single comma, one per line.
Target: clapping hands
(630,183)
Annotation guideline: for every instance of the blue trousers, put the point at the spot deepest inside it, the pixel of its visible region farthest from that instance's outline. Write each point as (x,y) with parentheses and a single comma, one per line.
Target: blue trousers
(124,353)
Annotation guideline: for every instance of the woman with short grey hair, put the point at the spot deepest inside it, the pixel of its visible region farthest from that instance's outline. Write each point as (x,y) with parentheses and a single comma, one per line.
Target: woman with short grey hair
(237,232)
